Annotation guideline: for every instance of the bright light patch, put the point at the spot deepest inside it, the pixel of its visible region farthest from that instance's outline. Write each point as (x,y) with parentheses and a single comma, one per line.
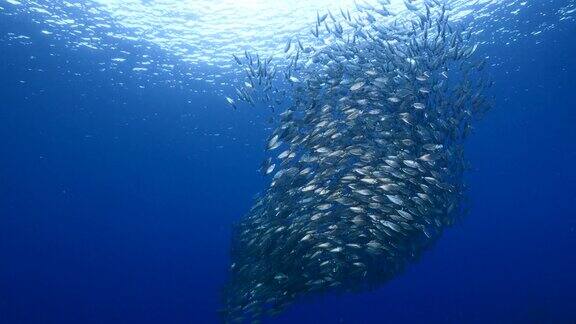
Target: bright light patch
(210,31)
(206,32)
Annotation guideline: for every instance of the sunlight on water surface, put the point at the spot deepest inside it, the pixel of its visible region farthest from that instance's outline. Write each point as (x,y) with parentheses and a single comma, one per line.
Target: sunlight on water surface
(202,33)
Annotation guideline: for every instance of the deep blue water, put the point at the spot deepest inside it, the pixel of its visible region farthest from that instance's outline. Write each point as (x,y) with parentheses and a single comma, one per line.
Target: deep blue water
(116,204)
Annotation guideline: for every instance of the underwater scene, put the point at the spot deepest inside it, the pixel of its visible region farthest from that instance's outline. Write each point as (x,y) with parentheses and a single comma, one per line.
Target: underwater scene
(275,161)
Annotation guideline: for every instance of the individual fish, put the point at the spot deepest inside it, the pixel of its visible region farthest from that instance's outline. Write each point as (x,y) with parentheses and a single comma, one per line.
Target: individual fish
(418,105)
(357,86)
(231,102)
(274,143)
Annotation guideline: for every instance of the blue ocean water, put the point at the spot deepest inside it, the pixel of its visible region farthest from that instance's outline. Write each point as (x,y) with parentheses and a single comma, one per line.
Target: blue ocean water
(117,203)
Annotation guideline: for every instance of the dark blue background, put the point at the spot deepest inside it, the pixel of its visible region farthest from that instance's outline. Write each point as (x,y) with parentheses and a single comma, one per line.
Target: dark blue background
(116,203)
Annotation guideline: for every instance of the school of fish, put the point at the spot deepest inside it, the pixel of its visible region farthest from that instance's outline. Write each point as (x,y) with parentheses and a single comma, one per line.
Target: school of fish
(366,162)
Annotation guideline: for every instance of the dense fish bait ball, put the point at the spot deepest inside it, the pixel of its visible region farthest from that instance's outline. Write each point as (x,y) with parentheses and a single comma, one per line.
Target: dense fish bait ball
(367,160)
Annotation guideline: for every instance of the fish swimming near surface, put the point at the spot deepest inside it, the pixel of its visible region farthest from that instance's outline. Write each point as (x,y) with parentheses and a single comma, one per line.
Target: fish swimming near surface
(366,162)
